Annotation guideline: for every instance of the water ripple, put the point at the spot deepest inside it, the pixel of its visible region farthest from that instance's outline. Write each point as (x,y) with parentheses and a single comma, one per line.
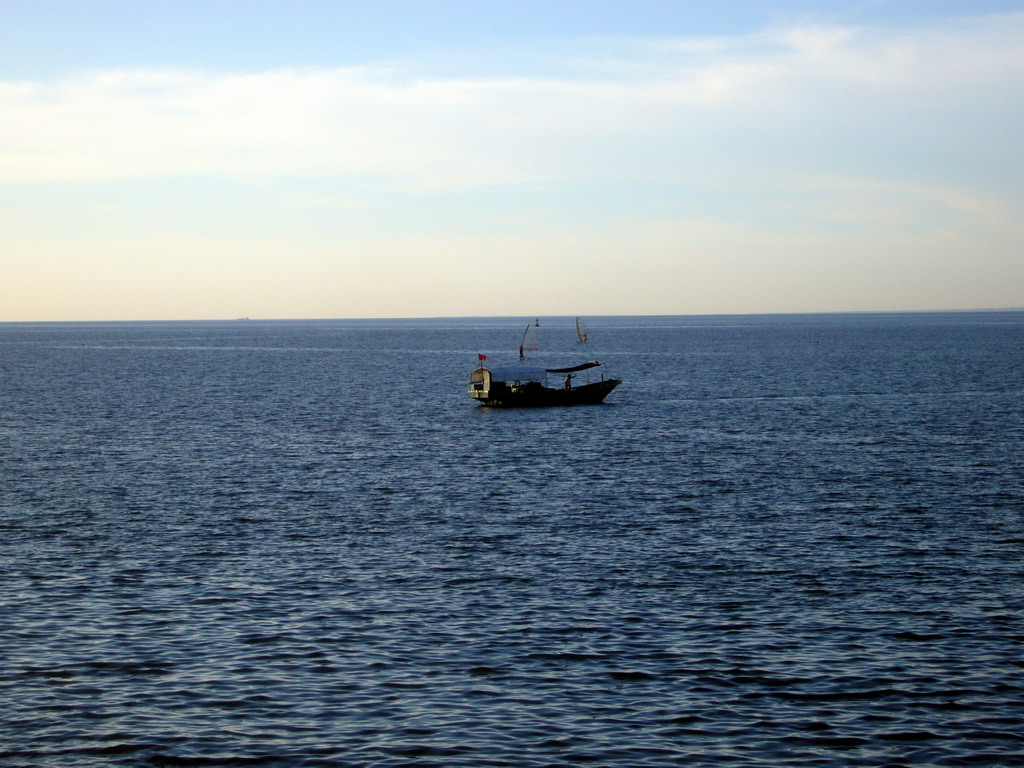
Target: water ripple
(781,553)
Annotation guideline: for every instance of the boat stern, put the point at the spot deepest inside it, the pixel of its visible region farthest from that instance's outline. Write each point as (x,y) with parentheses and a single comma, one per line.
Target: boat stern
(480,384)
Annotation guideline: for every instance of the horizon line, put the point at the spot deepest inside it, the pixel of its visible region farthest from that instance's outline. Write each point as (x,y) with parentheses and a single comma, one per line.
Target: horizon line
(246,319)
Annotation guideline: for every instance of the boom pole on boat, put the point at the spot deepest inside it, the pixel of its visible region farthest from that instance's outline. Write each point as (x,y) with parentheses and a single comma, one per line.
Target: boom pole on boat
(522,344)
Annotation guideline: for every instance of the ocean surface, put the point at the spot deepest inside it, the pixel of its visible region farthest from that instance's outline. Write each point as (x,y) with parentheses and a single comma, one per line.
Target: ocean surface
(783,540)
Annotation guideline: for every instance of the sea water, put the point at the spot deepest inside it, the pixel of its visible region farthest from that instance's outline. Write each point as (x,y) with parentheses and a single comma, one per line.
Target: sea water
(783,540)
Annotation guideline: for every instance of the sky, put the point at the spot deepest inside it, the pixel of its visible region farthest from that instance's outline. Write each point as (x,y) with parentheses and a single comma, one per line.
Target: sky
(186,159)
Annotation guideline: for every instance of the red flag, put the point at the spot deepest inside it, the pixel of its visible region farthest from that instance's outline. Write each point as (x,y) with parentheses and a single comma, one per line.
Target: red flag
(481,356)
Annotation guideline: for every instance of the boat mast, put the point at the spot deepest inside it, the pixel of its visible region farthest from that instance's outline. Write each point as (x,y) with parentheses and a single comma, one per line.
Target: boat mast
(522,344)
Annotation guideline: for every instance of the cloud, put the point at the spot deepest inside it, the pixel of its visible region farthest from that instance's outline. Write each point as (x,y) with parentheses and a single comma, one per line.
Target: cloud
(649,109)
(795,169)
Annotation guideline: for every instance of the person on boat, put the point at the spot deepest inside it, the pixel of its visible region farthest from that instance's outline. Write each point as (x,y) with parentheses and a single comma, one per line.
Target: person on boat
(568,381)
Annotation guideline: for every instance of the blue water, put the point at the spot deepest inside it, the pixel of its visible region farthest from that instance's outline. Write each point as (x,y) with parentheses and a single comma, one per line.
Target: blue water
(786,540)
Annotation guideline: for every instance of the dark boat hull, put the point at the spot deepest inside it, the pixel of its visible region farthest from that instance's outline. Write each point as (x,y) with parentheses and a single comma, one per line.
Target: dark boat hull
(538,396)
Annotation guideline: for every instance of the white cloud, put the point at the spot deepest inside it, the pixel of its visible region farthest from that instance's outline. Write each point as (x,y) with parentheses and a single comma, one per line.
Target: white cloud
(743,97)
(797,169)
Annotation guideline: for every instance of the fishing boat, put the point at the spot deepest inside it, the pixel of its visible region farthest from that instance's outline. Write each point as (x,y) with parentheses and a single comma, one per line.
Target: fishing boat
(527,386)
